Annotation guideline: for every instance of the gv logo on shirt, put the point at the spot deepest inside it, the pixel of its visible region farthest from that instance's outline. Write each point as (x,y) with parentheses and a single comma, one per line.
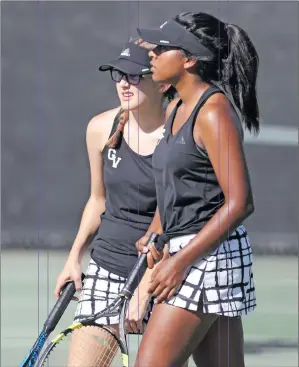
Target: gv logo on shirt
(112,157)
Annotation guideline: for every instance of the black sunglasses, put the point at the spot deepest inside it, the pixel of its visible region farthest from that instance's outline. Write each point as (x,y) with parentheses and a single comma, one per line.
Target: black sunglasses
(160,49)
(117,76)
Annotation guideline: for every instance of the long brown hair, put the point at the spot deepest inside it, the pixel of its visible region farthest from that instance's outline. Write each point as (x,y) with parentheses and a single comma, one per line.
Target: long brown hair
(122,117)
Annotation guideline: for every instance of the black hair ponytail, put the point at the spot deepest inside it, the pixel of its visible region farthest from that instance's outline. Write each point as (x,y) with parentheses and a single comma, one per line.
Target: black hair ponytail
(234,64)
(239,73)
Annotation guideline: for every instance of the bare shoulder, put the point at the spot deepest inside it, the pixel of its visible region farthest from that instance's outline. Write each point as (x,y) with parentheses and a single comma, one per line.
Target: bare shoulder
(218,113)
(102,121)
(170,107)
(99,127)
(217,119)
(218,104)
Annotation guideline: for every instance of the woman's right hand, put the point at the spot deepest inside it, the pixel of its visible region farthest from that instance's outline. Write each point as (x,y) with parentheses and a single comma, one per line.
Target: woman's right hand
(72,271)
(153,255)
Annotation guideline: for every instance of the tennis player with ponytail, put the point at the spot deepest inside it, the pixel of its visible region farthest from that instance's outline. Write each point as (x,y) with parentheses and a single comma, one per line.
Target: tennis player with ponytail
(204,193)
(122,203)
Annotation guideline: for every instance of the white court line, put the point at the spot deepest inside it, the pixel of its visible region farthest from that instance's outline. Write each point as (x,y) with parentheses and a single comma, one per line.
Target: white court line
(274,135)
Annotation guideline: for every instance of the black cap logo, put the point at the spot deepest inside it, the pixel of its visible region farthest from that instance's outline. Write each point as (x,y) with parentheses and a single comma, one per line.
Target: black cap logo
(161,26)
(126,52)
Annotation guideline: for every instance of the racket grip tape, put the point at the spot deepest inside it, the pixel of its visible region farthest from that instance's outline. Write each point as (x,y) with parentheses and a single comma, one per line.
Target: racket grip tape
(60,306)
(161,241)
(141,266)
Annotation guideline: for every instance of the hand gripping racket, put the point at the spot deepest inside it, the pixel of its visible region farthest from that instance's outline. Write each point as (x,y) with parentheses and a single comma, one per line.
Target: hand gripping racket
(93,344)
(57,311)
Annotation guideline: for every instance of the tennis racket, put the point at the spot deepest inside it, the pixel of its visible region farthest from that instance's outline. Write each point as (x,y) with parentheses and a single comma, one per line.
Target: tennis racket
(57,311)
(93,344)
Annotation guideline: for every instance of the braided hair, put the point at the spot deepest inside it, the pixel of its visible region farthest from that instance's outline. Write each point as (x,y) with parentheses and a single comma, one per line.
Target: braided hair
(122,117)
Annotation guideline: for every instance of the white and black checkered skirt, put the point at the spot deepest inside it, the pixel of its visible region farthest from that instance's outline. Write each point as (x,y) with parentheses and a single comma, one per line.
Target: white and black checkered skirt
(220,283)
(100,289)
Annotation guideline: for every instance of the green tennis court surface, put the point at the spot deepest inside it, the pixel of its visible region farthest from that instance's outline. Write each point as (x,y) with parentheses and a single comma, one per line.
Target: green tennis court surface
(28,279)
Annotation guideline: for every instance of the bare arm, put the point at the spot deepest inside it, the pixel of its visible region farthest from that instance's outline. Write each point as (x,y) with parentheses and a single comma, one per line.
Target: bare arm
(96,136)
(153,255)
(222,140)
(95,205)
(141,298)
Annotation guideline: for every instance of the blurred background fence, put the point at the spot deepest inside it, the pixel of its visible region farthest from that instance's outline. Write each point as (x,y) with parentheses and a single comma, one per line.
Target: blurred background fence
(51,88)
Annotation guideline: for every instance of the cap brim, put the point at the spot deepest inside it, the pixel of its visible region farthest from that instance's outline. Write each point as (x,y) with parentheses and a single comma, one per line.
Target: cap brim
(126,66)
(154,36)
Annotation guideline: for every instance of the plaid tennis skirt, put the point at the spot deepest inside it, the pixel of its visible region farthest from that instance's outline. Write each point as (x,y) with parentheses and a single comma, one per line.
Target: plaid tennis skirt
(220,283)
(100,289)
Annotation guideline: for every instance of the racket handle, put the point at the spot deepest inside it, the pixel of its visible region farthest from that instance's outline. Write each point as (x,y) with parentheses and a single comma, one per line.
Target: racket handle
(60,306)
(161,241)
(141,266)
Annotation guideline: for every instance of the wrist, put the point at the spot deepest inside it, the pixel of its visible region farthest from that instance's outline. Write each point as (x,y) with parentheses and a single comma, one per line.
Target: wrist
(143,295)
(75,256)
(146,297)
(180,260)
(154,229)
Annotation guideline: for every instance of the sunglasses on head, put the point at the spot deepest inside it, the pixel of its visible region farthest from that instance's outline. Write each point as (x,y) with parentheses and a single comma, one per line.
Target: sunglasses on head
(117,76)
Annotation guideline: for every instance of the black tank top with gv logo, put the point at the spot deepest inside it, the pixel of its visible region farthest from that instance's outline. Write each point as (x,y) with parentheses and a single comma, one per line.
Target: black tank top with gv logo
(188,192)
(130,207)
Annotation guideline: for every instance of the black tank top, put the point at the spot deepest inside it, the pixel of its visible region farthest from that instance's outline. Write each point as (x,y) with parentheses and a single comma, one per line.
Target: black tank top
(188,192)
(130,207)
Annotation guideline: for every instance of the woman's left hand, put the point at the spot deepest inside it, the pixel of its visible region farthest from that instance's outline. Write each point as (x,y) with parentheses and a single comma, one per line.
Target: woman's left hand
(166,279)
(136,311)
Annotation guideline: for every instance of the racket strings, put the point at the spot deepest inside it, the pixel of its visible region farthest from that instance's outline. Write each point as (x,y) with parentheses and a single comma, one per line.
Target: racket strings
(89,346)
(94,346)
